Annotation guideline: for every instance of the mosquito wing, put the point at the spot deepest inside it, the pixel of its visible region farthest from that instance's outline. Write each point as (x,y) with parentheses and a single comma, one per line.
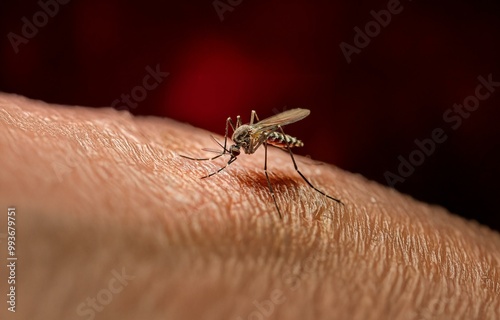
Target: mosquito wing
(281,119)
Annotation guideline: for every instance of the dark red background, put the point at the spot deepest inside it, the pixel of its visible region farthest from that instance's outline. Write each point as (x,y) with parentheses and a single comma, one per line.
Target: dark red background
(272,55)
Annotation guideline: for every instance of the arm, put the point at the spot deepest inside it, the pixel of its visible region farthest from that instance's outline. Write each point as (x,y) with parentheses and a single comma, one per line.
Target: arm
(114,224)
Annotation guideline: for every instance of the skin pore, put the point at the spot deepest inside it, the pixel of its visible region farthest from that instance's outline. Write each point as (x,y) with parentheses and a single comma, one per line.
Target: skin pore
(113,224)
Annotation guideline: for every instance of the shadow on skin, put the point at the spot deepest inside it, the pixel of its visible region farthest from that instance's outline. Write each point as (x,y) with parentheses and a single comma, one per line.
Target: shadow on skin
(291,193)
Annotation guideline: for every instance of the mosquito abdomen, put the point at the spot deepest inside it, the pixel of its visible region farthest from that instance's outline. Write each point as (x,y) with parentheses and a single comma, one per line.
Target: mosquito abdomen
(280,140)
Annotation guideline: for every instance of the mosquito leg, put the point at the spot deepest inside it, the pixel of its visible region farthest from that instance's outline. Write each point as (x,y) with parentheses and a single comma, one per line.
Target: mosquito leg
(224,167)
(253,116)
(202,159)
(269,182)
(224,151)
(300,173)
(229,122)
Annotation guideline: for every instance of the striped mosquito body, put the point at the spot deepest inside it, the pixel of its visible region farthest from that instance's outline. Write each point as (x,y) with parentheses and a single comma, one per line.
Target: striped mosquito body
(249,137)
(277,139)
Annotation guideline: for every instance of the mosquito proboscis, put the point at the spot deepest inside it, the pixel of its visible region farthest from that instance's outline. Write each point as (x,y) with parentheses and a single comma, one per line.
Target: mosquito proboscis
(251,136)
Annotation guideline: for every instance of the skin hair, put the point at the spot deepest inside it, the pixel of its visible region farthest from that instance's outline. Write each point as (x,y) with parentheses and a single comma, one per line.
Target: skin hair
(113,224)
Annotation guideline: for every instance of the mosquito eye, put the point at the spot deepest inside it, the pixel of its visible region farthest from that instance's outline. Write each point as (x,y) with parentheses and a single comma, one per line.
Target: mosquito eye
(235,151)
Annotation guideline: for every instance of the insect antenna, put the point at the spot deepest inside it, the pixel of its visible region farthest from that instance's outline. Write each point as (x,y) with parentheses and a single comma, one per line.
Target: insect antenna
(224,151)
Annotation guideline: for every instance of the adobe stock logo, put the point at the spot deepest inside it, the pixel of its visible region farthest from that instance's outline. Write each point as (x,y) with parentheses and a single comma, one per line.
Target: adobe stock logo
(372,29)
(30,28)
(293,278)
(221,7)
(105,296)
(454,117)
(152,79)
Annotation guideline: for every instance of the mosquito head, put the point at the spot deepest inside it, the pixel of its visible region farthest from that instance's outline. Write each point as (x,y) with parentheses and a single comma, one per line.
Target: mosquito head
(241,136)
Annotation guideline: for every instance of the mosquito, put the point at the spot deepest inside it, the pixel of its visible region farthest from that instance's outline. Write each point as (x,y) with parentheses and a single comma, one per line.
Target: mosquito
(251,136)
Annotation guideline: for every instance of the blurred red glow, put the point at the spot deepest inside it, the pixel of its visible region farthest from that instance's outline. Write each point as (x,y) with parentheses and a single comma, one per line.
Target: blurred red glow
(218,77)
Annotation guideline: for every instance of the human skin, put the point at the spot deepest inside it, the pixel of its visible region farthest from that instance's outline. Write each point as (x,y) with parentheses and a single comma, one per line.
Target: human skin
(99,193)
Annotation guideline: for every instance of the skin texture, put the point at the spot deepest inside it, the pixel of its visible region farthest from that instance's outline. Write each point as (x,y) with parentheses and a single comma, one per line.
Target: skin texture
(99,193)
